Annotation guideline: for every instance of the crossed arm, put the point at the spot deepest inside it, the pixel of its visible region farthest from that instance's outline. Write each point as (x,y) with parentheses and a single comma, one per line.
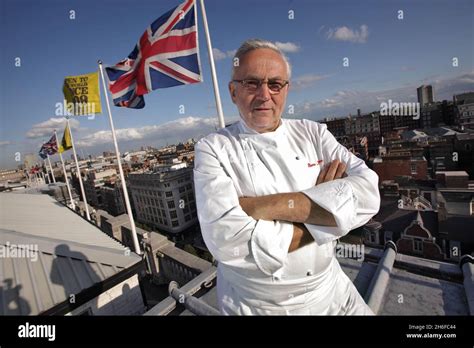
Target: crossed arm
(295,207)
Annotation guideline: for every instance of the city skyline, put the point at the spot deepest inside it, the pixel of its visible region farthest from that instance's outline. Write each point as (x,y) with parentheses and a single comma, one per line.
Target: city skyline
(385,62)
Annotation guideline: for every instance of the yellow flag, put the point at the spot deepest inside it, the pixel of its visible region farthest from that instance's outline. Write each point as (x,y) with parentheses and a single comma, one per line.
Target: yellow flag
(82,94)
(66,142)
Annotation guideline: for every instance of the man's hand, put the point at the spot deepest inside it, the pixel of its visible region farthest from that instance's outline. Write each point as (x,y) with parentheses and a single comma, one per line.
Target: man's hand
(276,207)
(301,235)
(335,170)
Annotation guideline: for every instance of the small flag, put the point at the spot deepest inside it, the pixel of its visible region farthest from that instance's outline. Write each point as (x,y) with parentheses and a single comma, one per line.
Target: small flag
(66,143)
(166,55)
(49,148)
(35,169)
(82,94)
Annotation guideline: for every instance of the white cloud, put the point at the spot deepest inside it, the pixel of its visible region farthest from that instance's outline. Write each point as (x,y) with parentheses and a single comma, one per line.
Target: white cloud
(305,81)
(329,103)
(287,47)
(219,55)
(46,128)
(5,143)
(174,131)
(346,34)
(344,102)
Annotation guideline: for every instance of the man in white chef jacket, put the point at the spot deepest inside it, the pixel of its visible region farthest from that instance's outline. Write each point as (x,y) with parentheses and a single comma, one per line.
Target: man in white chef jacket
(273,195)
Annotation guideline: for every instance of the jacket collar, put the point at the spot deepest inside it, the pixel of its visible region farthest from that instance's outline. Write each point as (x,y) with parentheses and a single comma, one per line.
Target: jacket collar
(271,138)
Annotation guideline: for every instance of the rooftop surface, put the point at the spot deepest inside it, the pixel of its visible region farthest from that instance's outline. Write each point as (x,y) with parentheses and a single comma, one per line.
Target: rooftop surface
(49,253)
(414,286)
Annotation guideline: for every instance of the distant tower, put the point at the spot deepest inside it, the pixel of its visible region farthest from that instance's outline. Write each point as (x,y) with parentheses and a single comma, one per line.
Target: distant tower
(425,94)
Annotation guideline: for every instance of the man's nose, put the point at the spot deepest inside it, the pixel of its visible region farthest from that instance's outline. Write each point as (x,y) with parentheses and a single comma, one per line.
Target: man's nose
(263,92)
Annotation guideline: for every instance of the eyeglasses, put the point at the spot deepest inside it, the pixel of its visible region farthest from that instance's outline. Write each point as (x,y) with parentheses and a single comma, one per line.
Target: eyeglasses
(252,85)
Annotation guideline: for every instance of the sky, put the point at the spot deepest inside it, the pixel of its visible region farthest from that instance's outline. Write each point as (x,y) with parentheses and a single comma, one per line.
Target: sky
(389,57)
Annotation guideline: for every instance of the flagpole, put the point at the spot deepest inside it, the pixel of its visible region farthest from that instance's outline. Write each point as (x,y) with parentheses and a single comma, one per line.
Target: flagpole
(51,168)
(66,180)
(47,173)
(119,162)
(217,95)
(78,170)
(42,175)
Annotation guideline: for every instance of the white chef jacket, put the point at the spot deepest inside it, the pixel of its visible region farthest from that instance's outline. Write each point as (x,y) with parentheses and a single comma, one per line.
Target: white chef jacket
(256,274)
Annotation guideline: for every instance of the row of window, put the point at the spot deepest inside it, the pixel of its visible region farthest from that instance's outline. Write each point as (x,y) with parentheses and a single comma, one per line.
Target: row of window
(159,193)
(184,201)
(163,221)
(191,206)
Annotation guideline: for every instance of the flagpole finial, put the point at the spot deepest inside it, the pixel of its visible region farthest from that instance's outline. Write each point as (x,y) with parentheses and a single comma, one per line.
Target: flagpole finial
(99,62)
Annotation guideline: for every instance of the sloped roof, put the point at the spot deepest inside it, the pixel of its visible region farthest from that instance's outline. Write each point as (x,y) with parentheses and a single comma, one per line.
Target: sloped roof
(51,253)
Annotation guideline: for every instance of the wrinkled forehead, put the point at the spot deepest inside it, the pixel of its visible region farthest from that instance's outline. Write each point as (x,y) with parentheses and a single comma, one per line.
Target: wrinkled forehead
(261,63)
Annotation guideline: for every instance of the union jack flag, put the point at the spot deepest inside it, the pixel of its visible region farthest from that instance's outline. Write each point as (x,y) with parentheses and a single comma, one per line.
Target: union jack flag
(49,148)
(166,55)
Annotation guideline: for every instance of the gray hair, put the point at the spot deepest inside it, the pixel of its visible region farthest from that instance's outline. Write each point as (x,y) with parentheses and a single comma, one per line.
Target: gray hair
(253,44)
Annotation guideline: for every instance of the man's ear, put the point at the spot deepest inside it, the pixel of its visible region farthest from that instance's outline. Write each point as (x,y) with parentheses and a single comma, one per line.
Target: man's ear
(232,91)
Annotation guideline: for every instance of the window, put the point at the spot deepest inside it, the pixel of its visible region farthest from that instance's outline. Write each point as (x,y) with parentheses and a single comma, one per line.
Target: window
(182,189)
(169,194)
(418,245)
(372,237)
(171,205)
(174,223)
(413,168)
(187,217)
(173,214)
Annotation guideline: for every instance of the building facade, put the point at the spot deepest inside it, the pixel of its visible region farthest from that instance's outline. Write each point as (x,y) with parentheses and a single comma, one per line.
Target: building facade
(164,198)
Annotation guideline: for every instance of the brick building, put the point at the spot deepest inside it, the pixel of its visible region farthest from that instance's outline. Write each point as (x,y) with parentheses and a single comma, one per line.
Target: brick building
(389,167)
